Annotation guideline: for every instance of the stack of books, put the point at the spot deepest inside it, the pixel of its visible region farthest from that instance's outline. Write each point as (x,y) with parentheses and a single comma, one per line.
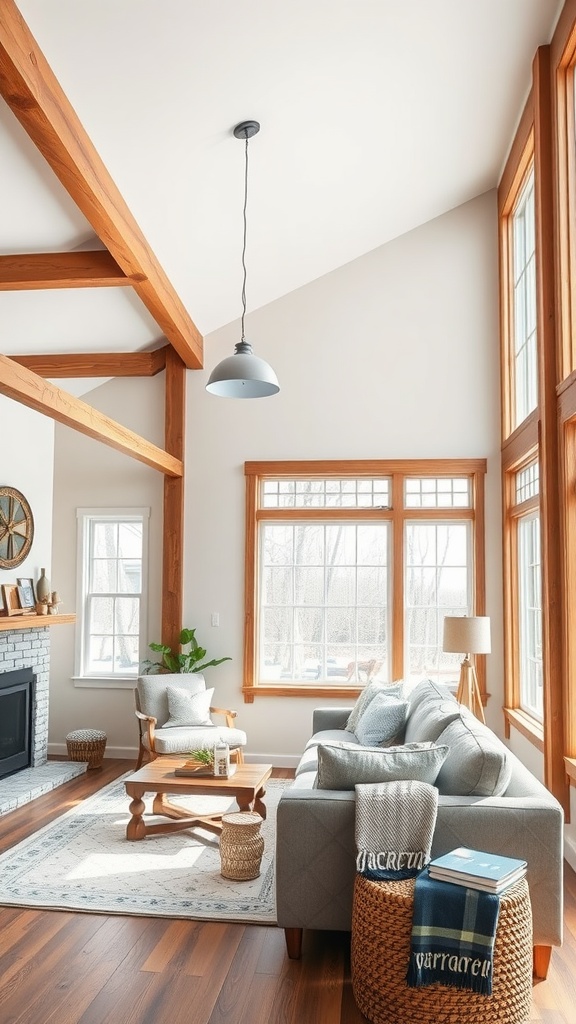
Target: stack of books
(488,872)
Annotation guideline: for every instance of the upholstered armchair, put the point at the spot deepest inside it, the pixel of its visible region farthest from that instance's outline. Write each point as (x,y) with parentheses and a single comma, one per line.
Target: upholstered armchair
(174,717)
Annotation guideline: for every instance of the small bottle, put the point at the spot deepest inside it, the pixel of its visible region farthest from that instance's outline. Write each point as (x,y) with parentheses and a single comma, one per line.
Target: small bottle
(221,759)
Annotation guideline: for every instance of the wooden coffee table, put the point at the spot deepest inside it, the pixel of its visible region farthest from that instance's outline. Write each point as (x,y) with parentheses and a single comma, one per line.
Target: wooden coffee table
(246,785)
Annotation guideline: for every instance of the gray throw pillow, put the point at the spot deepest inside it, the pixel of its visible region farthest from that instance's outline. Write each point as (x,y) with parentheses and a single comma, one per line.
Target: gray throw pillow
(429,690)
(188,709)
(382,721)
(344,766)
(428,719)
(477,762)
(364,698)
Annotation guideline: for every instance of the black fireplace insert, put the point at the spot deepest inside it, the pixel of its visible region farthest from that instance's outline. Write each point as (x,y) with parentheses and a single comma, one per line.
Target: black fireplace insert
(16,701)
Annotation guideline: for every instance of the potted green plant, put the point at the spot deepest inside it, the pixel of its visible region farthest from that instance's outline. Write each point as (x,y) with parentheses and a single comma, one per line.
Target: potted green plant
(189,659)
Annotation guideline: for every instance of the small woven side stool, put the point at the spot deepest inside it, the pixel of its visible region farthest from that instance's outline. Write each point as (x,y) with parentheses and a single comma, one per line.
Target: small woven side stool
(381,932)
(87,745)
(241,845)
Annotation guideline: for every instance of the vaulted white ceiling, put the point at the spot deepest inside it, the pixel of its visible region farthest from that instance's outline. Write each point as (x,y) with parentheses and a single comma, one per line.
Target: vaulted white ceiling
(377,115)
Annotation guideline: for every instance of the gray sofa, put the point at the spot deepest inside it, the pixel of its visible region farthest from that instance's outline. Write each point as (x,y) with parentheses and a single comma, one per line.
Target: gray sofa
(502,808)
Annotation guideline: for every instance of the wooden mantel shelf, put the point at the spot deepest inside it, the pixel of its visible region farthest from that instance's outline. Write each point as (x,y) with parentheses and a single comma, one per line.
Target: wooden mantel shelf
(33,621)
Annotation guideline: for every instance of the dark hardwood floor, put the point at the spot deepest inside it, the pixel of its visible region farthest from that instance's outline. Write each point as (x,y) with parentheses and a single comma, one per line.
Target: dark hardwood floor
(73,968)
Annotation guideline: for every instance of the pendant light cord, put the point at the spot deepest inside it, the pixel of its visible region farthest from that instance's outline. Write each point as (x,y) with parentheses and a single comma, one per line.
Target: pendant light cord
(244,240)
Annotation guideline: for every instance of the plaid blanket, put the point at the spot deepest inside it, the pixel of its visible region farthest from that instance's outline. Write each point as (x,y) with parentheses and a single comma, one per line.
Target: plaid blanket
(453,930)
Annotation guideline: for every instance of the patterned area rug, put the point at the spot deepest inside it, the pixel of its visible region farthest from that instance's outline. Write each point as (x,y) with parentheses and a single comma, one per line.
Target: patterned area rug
(83,861)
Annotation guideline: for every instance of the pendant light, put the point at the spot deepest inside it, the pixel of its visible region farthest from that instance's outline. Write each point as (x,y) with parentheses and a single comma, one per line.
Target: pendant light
(243,375)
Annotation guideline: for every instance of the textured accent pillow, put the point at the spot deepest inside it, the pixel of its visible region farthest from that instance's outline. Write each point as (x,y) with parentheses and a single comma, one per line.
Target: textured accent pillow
(477,762)
(382,721)
(346,765)
(368,694)
(188,709)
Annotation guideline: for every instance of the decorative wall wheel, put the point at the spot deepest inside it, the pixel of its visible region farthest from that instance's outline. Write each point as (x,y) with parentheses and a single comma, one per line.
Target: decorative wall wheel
(16,527)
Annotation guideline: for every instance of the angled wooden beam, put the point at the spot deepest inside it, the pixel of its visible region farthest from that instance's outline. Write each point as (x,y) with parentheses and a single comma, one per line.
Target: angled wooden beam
(97,364)
(24,271)
(173,523)
(23,386)
(34,95)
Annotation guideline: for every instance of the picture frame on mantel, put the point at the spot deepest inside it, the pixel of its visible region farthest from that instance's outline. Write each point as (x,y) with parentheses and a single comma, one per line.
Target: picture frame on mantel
(26,593)
(11,600)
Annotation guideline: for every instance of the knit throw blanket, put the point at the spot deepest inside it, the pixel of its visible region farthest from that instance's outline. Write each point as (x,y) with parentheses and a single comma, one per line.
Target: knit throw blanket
(453,930)
(394,827)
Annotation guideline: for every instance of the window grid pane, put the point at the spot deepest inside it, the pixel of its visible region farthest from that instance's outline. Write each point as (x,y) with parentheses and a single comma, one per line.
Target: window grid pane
(527,482)
(530,616)
(437,492)
(324,605)
(330,493)
(437,583)
(525,366)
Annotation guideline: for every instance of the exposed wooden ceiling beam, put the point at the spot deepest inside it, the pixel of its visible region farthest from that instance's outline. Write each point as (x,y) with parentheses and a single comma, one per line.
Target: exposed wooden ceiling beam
(97,269)
(34,95)
(98,364)
(21,384)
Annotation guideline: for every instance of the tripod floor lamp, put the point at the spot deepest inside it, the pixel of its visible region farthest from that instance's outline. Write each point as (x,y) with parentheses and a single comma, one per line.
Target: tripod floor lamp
(468,634)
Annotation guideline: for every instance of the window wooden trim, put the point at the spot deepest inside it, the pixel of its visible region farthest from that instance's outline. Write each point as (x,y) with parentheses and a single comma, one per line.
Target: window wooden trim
(398,470)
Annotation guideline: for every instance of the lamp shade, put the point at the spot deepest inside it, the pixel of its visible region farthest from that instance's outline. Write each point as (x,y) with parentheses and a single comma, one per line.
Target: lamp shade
(243,375)
(467,634)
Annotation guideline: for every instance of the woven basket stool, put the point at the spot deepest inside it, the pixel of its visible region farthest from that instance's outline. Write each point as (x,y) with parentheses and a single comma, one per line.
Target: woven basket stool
(241,845)
(381,931)
(87,745)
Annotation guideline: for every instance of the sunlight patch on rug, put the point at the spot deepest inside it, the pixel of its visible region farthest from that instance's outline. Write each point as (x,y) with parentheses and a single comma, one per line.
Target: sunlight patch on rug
(83,861)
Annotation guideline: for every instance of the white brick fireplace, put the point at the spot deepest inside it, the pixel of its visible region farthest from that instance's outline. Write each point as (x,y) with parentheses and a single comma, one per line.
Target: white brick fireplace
(30,648)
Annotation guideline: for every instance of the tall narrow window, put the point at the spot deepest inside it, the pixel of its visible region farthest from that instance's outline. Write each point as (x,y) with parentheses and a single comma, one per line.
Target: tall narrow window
(529,590)
(525,569)
(112,561)
(525,375)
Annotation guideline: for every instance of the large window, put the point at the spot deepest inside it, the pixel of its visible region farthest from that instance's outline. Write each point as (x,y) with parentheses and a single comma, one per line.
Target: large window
(351,568)
(112,549)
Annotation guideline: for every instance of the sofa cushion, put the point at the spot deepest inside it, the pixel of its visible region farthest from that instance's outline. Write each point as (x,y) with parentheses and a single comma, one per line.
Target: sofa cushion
(429,718)
(343,766)
(182,741)
(429,690)
(188,709)
(477,762)
(382,721)
(364,698)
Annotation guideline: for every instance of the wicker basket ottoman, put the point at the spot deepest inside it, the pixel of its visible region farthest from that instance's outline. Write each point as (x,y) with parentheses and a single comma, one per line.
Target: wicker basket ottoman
(241,845)
(381,930)
(87,745)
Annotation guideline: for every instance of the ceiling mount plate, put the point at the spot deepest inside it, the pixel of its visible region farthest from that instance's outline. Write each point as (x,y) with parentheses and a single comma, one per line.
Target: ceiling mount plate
(246,129)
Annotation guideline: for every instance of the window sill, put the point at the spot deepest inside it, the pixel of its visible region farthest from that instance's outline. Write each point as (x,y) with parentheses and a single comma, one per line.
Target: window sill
(529,727)
(105,682)
(301,690)
(570,765)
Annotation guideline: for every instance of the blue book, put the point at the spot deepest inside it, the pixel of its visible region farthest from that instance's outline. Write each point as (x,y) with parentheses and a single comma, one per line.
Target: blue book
(478,870)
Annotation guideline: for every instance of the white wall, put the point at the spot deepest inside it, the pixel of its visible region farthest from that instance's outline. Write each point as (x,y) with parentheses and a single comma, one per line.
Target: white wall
(89,474)
(392,356)
(26,461)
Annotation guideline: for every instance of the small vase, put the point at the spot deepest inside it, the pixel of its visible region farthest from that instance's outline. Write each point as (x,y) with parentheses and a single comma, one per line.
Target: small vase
(43,587)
